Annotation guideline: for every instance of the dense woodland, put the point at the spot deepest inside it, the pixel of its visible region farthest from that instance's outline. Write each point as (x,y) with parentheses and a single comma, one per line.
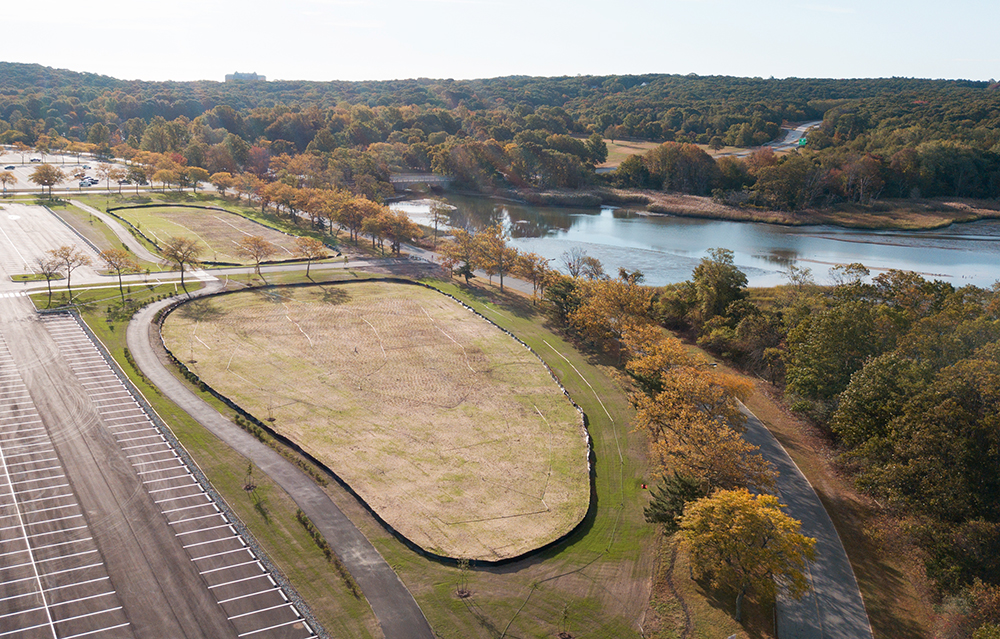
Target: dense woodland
(881,138)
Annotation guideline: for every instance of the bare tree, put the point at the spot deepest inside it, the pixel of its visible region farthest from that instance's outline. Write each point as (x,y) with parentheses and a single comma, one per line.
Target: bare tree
(69,258)
(48,268)
(182,251)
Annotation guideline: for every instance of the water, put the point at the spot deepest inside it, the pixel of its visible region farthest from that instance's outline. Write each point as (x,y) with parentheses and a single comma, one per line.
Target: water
(666,249)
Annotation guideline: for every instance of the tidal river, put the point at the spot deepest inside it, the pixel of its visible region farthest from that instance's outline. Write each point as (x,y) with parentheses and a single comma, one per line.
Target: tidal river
(666,249)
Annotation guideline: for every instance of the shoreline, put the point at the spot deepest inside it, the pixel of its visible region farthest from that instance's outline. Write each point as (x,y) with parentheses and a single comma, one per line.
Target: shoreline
(884,215)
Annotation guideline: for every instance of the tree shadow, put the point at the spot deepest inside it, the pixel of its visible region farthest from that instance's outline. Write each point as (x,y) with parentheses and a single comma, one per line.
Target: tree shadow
(758,614)
(270,294)
(200,310)
(335,295)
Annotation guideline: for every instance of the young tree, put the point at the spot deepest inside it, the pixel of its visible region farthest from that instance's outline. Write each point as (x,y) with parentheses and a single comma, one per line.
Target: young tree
(6,178)
(137,176)
(196,175)
(222,182)
(309,249)
(533,268)
(496,255)
(104,173)
(69,259)
(47,175)
(257,249)
(118,175)
(670,498)
(48,267)
(400,228)
(440,217)
(182,251)
(744,541)
(120,261)
(460,254)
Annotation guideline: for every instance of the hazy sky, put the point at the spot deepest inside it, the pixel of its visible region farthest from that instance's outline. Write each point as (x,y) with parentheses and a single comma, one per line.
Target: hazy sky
(387,39)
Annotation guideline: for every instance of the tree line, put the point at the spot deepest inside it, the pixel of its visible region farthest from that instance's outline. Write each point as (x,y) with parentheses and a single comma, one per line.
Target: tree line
(880,138)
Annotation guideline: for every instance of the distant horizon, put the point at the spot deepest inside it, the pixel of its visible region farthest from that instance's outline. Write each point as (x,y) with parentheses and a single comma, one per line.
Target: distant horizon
(509,75)
(384,40)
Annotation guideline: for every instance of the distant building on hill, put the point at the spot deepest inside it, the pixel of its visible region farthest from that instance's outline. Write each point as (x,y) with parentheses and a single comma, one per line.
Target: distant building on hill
(244,77)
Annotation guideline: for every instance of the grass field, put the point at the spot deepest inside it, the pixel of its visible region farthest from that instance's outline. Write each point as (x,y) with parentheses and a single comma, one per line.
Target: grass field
(453,432)
(217,232)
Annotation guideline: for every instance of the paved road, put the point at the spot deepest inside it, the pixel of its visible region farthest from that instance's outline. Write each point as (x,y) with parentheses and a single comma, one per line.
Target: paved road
(397,612)
(116,227)
(834,608)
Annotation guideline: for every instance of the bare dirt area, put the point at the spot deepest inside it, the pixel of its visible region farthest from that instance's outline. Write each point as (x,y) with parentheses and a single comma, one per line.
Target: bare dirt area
(217,232)
(455,434)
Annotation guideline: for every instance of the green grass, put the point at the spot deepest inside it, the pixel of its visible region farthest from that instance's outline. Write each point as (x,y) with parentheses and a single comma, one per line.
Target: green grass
(34,277)
(270,517)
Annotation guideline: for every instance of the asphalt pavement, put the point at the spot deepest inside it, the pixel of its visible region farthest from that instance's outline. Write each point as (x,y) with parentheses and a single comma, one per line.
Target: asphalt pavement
(833,609)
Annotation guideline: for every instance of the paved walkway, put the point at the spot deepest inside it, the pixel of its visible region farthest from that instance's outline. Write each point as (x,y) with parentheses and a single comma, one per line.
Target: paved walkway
(116,227)
(397,612)
(833,609)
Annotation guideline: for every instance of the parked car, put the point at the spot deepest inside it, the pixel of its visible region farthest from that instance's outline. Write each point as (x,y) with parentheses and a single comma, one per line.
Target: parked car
(9,167)
(35,160)
(84,183)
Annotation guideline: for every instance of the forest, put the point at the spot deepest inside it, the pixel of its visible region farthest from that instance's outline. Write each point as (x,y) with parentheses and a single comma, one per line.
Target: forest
(880,138)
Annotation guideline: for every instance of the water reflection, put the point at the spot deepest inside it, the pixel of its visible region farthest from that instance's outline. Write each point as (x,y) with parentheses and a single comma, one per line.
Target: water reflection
(667,248)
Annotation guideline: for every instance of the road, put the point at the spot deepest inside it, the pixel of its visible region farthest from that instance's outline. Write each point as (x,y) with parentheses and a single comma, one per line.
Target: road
(833,609)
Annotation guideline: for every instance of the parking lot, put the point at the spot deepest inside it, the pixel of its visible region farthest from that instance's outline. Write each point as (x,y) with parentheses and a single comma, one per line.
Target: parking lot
(71,165)
(230,570)
(53,579)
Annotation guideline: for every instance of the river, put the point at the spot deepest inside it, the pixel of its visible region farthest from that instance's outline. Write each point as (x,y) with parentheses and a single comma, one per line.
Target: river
(666,248)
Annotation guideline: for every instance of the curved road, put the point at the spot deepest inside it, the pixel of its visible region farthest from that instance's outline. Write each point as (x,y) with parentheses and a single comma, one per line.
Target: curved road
(833,609)
(397,612)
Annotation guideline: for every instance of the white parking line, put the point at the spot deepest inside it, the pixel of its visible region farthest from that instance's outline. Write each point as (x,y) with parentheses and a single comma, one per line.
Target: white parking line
(31,554)
(192,532)
(215,541)
(280,625)
(252,594)
(94,632)
(245,563)
(260,610)
(89,614)
(227,552)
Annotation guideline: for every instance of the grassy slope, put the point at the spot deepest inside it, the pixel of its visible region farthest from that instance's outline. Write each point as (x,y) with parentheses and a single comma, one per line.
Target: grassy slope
(273,524)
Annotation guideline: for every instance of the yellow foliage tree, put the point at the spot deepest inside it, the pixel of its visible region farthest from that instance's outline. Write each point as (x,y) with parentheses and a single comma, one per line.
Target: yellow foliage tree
(745,542)
(690,414)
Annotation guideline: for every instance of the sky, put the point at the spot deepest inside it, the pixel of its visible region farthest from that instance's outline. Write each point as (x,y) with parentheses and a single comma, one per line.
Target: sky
(324,40)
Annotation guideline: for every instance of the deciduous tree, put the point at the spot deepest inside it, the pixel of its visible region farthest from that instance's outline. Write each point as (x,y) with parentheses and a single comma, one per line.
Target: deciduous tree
(47,175)
(257,249)
(497,257)
(48,267)
(120,261)
(69,259)
(309,249)
(745,542)
(182,251)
